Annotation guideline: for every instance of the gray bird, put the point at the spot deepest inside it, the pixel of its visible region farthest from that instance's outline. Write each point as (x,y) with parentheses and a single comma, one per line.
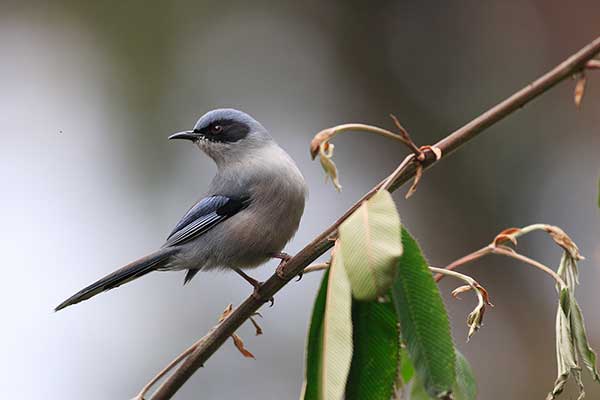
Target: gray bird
(252,209)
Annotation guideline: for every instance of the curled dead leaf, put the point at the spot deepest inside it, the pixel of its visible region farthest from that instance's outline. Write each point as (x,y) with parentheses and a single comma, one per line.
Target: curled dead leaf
(563,240)
(319,139)
(486,296)
(326,159)
(465,288)
(461,289)
(507,235)
(237,341)
(474,321)
(239,344)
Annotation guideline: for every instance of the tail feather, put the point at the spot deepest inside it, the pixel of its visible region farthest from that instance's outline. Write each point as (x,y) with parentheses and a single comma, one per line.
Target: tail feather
(123,275)
(189,275)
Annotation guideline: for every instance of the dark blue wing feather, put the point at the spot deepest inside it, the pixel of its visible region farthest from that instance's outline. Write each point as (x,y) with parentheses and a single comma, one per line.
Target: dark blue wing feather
(206,214)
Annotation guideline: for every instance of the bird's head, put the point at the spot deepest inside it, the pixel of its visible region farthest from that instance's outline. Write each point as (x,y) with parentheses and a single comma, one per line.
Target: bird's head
(226,133)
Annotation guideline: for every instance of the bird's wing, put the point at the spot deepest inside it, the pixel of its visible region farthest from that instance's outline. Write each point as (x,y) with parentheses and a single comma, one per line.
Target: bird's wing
(203,216)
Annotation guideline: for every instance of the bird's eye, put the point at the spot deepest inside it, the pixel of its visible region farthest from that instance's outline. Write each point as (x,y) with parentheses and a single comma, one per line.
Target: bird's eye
(216,129)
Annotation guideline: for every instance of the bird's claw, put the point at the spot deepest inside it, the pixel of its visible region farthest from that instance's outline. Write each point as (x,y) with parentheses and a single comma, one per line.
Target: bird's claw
(256,294)
(300,275)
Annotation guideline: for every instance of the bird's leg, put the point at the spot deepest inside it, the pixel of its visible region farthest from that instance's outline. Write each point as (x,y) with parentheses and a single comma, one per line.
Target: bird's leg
(256,284)
(284,257)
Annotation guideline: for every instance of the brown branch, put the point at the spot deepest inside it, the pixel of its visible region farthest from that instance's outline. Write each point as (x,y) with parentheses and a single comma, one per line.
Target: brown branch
(321,244)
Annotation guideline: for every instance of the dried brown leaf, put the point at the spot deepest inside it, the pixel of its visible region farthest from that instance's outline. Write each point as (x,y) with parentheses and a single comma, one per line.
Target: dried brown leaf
(507,235)
(325,156)
(563,240)
(418,176)
(226,312)
(239,344)
(484,293)
(257,327)
(580,89)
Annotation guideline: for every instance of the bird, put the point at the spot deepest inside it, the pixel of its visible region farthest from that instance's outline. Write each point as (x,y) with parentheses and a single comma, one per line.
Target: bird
(250,211)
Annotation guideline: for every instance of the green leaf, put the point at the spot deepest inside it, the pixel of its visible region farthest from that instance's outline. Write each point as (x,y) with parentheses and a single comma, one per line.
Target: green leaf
(417,391)
(581,341)
(371,246)
(423,321)
(329,349)
(310,389)
(571,339)
(466,387)
(376,350)
(407,371)
(566,357)
(337,331)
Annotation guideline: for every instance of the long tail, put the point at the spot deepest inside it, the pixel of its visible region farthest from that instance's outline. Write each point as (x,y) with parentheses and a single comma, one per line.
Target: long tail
(123,275)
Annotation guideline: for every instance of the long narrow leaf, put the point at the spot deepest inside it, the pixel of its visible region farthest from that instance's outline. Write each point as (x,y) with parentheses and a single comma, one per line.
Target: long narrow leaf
(466,387)
(424,321)
(581,341)
(311,387)
(337,331)
(376,349)
(371,246)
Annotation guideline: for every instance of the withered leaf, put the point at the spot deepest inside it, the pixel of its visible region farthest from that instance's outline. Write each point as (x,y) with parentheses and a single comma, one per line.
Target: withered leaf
(564,241)
(506,235)
(580,89)
(239,344)
(325,156)
(319,139)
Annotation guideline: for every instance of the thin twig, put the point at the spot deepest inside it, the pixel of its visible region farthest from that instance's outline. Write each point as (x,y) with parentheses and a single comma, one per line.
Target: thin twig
(170,366)
(407,139)
(505,251)
(593,64)
(465,260)
(321,244)
(316,267)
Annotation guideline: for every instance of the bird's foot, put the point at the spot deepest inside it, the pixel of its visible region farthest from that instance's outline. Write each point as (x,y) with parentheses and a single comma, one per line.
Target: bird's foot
(284,257)
(258,296)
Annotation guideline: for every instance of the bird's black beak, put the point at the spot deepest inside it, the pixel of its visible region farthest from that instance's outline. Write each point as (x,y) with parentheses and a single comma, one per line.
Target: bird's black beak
(187,135)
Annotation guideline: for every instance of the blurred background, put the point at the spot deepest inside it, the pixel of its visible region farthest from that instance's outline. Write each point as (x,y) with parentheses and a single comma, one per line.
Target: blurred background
(91,90)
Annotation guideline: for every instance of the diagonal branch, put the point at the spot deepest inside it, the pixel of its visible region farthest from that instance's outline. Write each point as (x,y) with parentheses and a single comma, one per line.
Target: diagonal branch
(321,243)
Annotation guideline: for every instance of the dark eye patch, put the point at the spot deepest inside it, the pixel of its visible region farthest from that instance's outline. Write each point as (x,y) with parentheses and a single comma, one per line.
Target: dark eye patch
(231,131)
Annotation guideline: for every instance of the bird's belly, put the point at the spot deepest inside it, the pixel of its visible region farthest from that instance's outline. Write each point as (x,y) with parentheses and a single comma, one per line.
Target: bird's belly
(258,235)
